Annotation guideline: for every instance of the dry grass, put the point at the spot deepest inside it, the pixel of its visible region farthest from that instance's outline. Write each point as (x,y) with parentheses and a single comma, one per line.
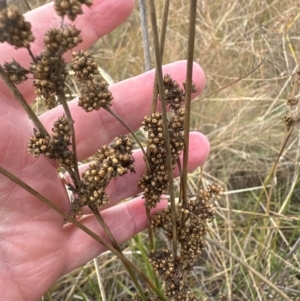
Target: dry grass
(243,123)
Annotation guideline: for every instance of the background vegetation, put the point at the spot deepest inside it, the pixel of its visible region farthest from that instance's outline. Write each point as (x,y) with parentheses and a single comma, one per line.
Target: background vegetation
(244,126)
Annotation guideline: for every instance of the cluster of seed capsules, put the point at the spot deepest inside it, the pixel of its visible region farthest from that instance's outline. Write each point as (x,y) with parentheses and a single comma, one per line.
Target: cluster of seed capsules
(192,217)
(70,8)
(110,161)
(191,228)
(13,27)
(94,92)
(48,69)
(55,147)
(155,182)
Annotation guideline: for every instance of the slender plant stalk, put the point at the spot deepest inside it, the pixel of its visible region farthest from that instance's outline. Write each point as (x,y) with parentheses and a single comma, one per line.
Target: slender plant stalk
(110,236)
(162,37)
(165,122)
(150,232)
(107,231)
(145,35)
(188,96)
(78,224)
(99,279)
(31,54)
(28,5)
(163,28)
(155,95)
(248,267)
(231,83)
(19,97)
(63,101)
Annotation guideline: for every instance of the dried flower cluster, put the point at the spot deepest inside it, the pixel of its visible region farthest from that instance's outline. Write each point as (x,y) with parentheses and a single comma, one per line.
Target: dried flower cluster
(70,8)
(49,72)
(49,68)
(293,105)
(175,96)
(110,161)
(155,182)
(191,229)
(55,147)
(13,27)
(16,72)
(94,93)
(62,39)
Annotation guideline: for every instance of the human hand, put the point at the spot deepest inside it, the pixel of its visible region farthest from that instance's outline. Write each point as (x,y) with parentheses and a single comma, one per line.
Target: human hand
(36,246)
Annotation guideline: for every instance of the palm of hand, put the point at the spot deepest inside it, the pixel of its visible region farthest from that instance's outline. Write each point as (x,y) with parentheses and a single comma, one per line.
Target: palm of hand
(36,247)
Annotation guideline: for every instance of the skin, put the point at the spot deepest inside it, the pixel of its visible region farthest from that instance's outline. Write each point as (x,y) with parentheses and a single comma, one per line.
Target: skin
(36,248)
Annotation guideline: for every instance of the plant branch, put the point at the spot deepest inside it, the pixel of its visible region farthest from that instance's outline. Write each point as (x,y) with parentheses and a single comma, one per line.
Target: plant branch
(165,123)
(145,36)
(231,83)
(62,100)
(154,97)
(31,54)
(162,37)
(19,97)
(110,236)
(188,96)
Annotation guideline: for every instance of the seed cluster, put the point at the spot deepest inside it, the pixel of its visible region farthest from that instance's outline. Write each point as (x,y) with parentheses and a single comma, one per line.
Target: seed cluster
(16,72)
(174,96)
(176,127)
(293,115)
(55,147)
(49,72)
(71,8)
(13,27)
(293,104)
(83,65)
(62,39)
(110,161)
(170,269)
(39,144)
(191,228)
(94,92)
(155,182)
(95,95)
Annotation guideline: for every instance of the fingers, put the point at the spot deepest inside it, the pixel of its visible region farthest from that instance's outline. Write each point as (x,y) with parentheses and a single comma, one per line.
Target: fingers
(97,21)
(124,221)
(132,101)
(126,186)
